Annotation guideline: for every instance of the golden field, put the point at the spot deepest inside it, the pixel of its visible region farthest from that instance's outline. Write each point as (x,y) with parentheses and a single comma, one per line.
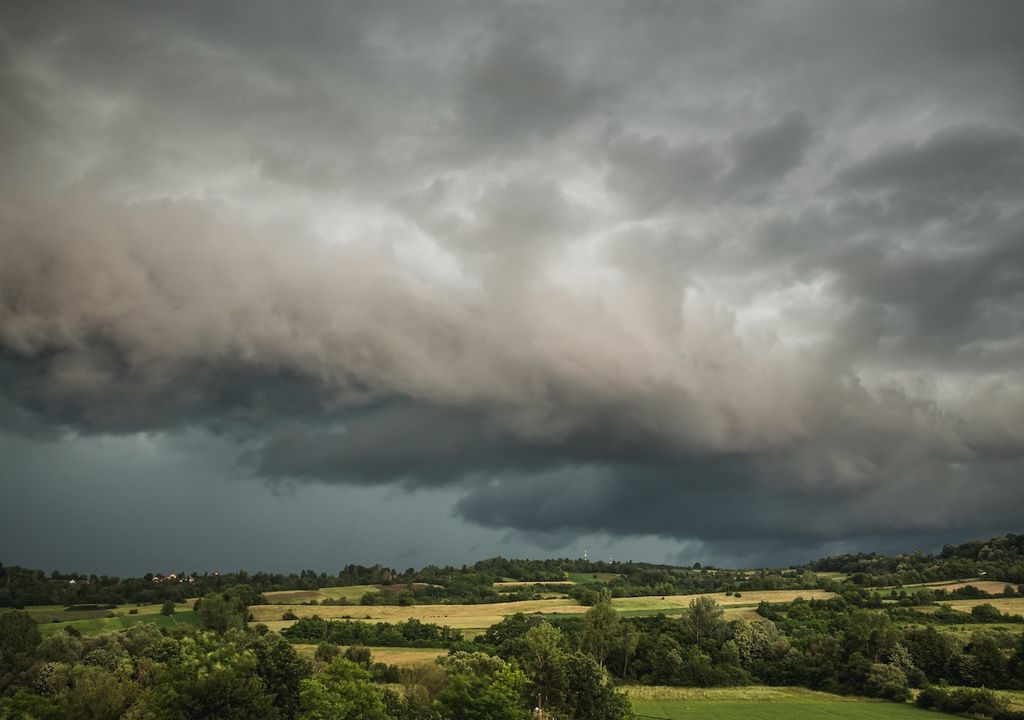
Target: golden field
(403,657)
(476,618)
(746,599)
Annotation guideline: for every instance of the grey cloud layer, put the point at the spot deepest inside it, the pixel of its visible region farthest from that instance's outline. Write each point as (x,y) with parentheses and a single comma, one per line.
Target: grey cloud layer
(713,269)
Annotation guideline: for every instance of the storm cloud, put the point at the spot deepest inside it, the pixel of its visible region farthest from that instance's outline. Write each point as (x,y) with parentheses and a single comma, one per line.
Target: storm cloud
(739,274)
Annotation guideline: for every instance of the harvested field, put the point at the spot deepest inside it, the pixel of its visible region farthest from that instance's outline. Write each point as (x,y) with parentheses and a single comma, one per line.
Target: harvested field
(456,616)
(1014,606)
(474,619)
(403,657)
(352,593)
(746,599)
(989,586)
(994,587)
(277,625)
(284,597)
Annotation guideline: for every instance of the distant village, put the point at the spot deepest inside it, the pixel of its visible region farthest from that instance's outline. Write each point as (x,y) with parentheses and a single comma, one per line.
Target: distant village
(158,578)
(175,578)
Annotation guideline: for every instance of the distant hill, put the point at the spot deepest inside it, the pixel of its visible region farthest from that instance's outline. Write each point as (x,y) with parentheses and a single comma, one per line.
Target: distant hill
(999,558)
(494,579)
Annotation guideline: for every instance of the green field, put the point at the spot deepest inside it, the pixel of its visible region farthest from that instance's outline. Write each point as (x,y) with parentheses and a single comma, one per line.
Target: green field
(744,605)
(54,618)
(95,626)
(57,613)
(757,702)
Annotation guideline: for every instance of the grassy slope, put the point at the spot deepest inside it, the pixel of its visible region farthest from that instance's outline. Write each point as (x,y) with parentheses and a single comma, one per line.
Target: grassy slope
(352,593)
(96,626)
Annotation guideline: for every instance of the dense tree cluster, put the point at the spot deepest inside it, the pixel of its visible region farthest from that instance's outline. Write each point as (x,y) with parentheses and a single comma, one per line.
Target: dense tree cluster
(411,633)
(253,674)
(999,558)
(142,673)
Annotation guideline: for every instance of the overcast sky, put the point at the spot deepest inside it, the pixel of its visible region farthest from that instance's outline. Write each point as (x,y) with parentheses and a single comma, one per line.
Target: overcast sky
(296,285)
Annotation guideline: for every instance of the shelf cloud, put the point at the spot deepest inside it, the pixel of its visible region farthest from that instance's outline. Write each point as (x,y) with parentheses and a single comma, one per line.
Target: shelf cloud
(737,274)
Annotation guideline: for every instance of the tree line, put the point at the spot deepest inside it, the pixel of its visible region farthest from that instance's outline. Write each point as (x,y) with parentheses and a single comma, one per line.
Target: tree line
(997,558)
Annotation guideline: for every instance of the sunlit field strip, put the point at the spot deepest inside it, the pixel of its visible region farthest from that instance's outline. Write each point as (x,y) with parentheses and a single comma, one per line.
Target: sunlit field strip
(403,657)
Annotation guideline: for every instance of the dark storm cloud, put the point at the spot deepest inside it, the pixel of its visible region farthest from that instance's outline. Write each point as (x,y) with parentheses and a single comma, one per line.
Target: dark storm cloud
(707,500)
(943,301)
(969,161)
(698,271)
(418,444)
(514,95)
(653,173)
(768,154)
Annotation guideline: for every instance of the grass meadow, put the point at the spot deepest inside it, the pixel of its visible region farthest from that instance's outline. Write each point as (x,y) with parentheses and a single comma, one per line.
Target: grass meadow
(655,604)
(762,703)
(98,625)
